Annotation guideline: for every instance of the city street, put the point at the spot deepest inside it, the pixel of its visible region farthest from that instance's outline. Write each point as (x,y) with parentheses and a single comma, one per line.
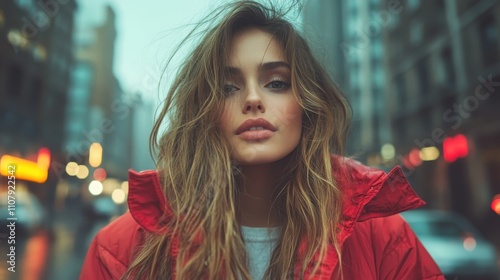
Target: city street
(56,255)
(92,91)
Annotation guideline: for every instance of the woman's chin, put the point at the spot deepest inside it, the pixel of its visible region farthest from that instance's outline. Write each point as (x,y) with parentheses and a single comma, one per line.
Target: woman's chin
(259,158)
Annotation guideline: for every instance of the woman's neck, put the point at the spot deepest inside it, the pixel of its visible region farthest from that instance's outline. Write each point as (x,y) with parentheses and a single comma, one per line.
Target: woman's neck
(256,200)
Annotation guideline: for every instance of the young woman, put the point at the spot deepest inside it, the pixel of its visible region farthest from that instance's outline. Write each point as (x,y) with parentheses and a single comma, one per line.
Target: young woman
(250,182)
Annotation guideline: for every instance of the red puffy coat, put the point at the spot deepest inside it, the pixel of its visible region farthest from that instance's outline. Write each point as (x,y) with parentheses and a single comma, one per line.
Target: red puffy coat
(376,242)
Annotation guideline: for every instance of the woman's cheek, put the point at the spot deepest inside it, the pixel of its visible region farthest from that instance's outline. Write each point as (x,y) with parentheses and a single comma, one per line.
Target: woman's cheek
(289,114)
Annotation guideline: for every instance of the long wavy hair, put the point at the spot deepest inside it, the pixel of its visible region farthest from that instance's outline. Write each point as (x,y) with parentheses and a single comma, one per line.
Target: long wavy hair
(201,182)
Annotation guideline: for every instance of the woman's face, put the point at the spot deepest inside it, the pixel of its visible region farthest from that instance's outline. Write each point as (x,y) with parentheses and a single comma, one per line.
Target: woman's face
(261,119)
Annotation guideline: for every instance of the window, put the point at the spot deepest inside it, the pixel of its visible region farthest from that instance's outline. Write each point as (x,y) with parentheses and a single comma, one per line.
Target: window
(2,81)
(423,77)
(26,4)
(354,10)
(488,36)
(374,5)
(375,121)
(378,75)
(377,48)
(447,61)
(413,5)
(14,81)
(416,31)
(354,79)
(401,91)
(440,5)
(394,21)
(2,18)
(34,97)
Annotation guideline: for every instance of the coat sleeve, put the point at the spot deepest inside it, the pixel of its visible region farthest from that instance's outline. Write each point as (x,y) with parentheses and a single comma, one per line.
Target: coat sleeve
(109,254)
(402,255)
(93,266)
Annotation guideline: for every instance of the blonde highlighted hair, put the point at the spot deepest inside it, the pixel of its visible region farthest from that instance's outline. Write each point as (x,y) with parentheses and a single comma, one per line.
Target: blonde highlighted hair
(201,183)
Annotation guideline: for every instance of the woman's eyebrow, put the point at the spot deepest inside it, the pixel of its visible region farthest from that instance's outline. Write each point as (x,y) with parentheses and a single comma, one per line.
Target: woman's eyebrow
(273,65)
(231,70)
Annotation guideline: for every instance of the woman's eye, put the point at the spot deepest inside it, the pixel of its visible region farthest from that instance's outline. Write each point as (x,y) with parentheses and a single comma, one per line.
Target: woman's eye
(229,89)
(278,85)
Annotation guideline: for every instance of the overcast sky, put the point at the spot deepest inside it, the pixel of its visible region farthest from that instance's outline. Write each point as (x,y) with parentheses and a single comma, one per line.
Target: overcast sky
(147,32)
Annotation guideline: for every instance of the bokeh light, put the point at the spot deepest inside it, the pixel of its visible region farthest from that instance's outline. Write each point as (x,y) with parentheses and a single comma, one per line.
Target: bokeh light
(72,168)
(118,196)
(100,174)
(83,172)
(388,151)
(95,187)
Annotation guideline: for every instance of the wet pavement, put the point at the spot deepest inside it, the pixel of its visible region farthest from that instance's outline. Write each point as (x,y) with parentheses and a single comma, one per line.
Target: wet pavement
(55,254)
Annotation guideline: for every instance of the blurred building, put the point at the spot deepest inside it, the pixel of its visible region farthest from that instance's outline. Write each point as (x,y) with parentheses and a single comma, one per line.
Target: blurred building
(99,112)
(346,37)
(443,78)
(35,63)
(142,127)
(418,73)
(77,111)
(323,25)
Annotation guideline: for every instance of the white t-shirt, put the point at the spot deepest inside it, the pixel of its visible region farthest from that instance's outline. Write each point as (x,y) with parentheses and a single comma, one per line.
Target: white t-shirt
(259,243)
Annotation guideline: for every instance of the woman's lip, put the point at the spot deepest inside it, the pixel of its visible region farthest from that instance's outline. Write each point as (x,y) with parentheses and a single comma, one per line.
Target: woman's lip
(256,135)
(259,122)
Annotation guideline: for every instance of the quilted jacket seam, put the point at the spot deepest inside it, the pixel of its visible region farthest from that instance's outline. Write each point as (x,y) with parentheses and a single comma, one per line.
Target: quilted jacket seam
(110,253)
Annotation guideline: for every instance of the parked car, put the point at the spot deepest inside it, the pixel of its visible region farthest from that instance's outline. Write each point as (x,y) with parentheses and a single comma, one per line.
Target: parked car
(26,208)
(455,244)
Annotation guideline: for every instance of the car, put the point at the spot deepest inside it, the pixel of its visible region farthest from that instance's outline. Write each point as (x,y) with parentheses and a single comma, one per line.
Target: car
(26,209)
(455,244)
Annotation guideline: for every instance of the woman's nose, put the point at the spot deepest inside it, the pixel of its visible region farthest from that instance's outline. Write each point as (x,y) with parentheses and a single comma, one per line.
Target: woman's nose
(253,102)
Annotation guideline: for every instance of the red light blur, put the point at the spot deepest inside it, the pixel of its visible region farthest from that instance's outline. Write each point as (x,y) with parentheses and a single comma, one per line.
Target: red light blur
(414,157)
(455,148)
(407,163)
(44,158)
(100,174)
(495,204)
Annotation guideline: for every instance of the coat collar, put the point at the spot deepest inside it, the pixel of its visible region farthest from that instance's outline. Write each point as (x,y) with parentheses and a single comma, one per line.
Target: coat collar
(371,193)
(368,193)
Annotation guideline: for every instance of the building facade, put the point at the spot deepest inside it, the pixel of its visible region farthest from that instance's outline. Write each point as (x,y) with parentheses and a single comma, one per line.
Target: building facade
(346,36)
(443,78)
(421,74)
(35,59)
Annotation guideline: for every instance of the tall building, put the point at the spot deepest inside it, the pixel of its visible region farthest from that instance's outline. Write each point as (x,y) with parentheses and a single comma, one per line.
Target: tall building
(99,112)
(118,149)
(143,121)
(443,77)
(323,25)
(35,65)
(346,36)
(35,59)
